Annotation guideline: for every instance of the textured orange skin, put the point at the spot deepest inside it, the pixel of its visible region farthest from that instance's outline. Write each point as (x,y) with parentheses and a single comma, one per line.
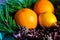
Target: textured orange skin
(47,20)
(26,17)
(43,6)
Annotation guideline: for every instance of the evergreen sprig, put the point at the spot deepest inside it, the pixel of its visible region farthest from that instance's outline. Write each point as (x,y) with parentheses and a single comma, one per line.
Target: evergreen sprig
(16,5)
(7,23)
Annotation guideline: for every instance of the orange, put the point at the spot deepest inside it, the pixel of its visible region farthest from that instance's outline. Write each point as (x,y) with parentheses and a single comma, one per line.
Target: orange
(43,6)
(47,20)
(26,17)
(42,0)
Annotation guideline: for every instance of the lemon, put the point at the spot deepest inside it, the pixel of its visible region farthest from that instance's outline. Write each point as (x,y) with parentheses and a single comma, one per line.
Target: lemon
(47,20)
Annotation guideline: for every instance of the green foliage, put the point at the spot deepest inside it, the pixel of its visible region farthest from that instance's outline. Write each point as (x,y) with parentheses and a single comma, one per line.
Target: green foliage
(16,5)
(7,24)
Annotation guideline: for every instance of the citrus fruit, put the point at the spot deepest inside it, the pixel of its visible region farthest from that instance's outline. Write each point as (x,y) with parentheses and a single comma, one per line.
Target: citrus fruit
(42,0)
(43,6)
(26,17)
(47,20)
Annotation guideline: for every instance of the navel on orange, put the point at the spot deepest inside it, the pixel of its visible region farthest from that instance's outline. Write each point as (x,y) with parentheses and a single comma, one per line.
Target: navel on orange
(26,17)
(43,6)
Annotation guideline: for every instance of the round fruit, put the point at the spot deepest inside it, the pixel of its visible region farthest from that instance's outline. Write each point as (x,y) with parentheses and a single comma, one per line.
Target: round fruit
(43,6)
(42,0)
(47,20)
(26,17)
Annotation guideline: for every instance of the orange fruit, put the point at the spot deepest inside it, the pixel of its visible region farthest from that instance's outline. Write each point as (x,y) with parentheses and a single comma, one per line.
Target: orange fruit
(42,0)
(47,20)
(26,17)
(43,6)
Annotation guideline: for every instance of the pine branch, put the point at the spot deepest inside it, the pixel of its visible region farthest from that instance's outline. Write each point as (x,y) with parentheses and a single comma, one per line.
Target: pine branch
(16,5)
(1,13)
(7,24)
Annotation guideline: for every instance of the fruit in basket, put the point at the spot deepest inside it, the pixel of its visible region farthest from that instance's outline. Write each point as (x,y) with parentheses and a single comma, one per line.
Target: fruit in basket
(47,20)
(43,6)
(26,17)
